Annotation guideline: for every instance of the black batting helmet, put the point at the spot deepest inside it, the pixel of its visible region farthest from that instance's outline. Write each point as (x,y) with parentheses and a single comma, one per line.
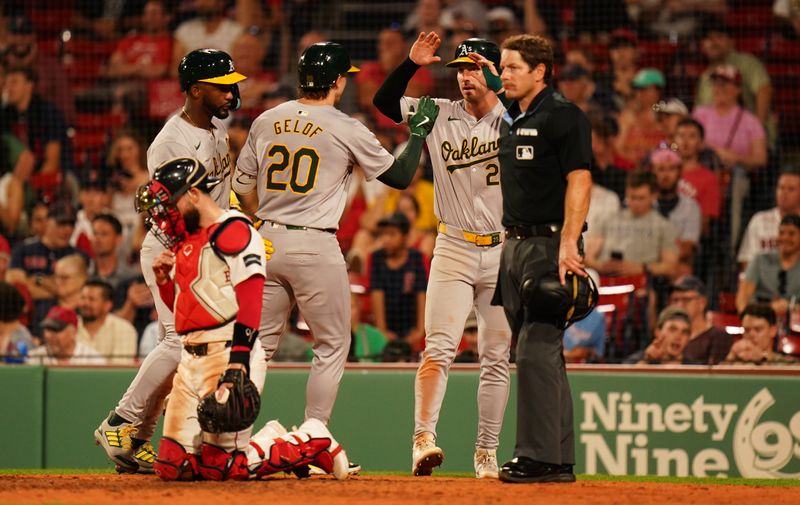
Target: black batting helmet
(485,48)
(213,66)
(321,64)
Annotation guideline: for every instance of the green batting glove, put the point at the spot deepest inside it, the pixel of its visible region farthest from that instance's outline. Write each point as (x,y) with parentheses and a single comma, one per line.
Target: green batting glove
(422,122)
(493,82)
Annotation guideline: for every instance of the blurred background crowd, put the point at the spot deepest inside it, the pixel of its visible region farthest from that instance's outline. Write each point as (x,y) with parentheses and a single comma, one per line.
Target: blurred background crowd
(694,226)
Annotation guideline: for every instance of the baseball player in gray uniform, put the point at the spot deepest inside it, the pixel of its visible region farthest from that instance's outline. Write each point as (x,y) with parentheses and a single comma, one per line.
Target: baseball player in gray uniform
(468,202)
(208,78)
(299,159)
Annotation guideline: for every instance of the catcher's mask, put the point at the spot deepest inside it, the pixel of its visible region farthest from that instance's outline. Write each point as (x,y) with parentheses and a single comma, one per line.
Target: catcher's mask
(548,301)
(163,219)
(158,197)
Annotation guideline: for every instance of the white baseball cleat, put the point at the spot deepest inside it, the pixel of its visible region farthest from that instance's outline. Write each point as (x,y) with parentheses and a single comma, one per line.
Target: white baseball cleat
(486,464)
(425,455)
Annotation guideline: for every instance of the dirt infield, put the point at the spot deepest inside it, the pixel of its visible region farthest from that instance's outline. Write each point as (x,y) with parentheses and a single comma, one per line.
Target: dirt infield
(137,490)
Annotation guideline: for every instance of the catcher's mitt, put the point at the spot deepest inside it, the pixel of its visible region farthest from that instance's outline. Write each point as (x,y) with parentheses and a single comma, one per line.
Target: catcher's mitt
(240,409)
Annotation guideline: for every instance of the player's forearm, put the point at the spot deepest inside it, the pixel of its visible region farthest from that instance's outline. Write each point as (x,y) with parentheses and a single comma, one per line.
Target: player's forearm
(387,98)
(249,294)
(402,171)
(576,204)
(166,291)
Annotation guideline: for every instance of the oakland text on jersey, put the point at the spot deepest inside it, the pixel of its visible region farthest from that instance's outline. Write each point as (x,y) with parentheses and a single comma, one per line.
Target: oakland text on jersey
(222,164)
(308,129)
(470,148)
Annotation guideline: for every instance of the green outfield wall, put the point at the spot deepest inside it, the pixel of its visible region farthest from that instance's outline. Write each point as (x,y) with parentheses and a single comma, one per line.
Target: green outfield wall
(627,421)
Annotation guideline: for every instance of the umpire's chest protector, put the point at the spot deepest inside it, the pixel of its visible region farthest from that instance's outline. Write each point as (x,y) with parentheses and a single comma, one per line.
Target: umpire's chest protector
(204,295)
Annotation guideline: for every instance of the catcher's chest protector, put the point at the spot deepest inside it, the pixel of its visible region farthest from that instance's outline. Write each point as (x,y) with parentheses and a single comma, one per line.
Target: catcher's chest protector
(204,295)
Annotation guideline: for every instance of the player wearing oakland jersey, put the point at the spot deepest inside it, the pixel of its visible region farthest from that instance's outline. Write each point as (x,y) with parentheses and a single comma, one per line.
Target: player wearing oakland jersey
(299,159)
(468,202)
(208,78)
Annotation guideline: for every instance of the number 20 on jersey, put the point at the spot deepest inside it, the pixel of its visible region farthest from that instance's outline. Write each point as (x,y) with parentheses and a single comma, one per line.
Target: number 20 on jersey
(302,165)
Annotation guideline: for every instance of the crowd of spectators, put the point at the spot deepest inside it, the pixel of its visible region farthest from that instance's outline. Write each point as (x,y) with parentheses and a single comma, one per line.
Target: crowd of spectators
(689,148)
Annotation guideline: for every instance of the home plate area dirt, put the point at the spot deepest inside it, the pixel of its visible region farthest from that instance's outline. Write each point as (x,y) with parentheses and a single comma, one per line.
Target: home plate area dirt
(92,489)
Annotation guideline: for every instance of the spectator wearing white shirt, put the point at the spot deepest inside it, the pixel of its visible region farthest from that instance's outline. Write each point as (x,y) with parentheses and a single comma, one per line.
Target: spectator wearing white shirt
(111,336)
(61,345)
(761,234)
(604,205)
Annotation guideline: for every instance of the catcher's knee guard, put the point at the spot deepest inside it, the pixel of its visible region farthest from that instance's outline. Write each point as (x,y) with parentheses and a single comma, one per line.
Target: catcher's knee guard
(174,463)
(217,464)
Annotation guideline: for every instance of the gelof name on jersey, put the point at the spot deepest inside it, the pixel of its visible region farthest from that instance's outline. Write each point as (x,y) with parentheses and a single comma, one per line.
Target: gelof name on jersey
(300,126)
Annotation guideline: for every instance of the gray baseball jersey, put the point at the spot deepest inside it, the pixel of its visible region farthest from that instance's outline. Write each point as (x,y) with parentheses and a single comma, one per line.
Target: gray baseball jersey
(302,158)
(466,170)
(179,139)
(142,402)
(463,276)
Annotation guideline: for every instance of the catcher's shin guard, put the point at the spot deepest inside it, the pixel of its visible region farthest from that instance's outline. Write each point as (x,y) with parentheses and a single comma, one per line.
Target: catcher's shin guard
(217,464)
(273,450)
(276,455)
(174,463)
(325,451)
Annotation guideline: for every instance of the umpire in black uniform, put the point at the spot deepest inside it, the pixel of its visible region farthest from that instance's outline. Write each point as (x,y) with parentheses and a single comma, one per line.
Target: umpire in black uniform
(545,156)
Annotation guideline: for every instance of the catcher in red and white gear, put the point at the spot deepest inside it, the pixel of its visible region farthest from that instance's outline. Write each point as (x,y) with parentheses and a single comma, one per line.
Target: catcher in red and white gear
(211,275)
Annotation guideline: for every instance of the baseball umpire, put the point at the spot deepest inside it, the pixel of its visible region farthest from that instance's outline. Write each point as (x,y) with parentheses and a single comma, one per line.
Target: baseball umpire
(468,203)
(211,274)
(297,163)
(545,155)
(209,80)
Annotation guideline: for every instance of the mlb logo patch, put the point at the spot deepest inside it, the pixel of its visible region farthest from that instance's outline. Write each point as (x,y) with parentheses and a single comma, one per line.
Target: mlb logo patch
(524,152)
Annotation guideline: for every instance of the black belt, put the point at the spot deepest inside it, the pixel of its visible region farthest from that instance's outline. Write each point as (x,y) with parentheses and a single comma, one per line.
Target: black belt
(521,232)
(293,227)
(201,349)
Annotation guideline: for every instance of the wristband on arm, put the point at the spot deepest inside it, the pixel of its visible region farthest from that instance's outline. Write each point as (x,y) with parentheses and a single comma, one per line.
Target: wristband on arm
(244,338)
(493,82)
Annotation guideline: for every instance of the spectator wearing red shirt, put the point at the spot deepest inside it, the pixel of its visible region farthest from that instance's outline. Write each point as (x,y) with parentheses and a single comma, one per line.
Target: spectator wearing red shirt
(392,51)
(697,181)
(145,54)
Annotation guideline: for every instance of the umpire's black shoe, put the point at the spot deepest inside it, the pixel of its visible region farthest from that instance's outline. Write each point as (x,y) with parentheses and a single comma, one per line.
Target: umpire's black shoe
(566,474)
(525,470)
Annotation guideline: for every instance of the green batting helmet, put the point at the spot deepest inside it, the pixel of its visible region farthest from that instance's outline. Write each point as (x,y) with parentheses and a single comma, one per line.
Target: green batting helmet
(485,48)
(321,64)
(210,65)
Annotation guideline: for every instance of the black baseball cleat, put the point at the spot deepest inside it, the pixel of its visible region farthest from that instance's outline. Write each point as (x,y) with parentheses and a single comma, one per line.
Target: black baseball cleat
(526,470)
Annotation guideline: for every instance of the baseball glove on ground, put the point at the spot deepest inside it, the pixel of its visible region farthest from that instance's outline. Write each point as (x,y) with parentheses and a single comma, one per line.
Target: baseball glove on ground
(237,412)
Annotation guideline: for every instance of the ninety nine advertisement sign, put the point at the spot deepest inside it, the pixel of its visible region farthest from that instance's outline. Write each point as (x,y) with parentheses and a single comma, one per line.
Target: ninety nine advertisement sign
(687,425)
